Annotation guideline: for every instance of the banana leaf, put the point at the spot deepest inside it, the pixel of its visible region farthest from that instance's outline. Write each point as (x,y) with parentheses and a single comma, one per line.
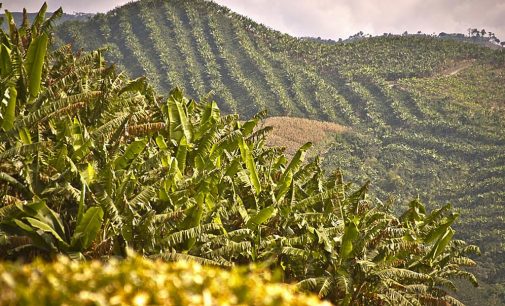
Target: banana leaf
(87,228)
(261,217)
(35,63)
(248,159)
(131,153)
(350,234)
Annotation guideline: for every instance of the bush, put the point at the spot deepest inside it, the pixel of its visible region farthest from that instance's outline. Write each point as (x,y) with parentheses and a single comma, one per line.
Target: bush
(139,281)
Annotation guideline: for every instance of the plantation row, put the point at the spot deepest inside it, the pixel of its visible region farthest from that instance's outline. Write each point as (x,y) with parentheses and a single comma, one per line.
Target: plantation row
(415,127)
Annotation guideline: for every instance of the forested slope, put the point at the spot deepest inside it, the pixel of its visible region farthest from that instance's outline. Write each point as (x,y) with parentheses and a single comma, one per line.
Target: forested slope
(424,116)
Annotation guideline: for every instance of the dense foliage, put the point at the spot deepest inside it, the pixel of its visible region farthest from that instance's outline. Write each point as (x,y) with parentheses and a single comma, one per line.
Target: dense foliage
(93,163)
(424,114)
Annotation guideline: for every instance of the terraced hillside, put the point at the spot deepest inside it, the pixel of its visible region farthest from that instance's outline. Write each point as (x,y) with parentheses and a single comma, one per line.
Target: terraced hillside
(423,116)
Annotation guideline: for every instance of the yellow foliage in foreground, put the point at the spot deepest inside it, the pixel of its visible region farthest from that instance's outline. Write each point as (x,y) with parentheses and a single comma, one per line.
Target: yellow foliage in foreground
(138,281)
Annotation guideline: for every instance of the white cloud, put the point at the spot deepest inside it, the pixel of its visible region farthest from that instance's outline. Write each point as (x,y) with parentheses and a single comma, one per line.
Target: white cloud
(342,18)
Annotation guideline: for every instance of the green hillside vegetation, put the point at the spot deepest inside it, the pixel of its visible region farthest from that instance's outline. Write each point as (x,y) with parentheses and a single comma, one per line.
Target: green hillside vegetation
(94,164)
(425,115)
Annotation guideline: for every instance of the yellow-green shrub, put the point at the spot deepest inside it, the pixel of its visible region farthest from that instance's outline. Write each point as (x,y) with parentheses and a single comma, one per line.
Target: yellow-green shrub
(139,281)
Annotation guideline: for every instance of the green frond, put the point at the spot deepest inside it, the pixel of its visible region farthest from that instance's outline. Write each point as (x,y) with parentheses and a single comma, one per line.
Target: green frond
(301,240)
(137,85)
(229,143)
(437,214)
(452,301)
(77,71)
(314,217)
(48,24)
(67,110)
(394,246)
(444,282)
(343,283)
(297,252)
(402,274)
(233,249)
(463,261)
(394,297)
(125,103)
(469,250)
(106,130)
(460,274)
(11,180)
(307,172)
(24,150)
(336,230)
(231,235)
(261,217)
(8,212)
(187,234)
(207,141)
(315,199)
(144,197)
(65,190)
(417,289)
(112,213)
(170,217)
(356,197)
(326,287)
(259,134)
(311,283)
(145,129)
(53,107)
(173,256)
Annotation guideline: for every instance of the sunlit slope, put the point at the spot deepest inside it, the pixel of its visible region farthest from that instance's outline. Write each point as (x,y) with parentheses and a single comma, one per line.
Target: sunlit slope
(423,116)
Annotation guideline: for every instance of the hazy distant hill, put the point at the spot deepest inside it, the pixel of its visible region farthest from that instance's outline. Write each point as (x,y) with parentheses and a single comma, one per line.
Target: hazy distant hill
(422,116)
(490,41)
(18,17)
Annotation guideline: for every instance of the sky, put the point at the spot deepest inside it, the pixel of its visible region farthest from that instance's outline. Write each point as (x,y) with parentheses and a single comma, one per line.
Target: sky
(336,18)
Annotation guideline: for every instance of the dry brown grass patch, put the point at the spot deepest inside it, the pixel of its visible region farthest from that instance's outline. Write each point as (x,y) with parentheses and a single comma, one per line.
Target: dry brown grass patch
(292,132)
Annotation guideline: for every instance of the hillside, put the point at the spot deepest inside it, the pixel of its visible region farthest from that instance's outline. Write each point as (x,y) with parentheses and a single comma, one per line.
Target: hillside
(425,116)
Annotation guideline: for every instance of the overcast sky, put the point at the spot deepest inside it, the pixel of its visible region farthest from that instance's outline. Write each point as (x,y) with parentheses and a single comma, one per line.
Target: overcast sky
(337,18)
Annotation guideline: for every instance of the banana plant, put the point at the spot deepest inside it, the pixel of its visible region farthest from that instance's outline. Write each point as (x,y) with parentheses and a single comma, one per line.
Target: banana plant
(46,230)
